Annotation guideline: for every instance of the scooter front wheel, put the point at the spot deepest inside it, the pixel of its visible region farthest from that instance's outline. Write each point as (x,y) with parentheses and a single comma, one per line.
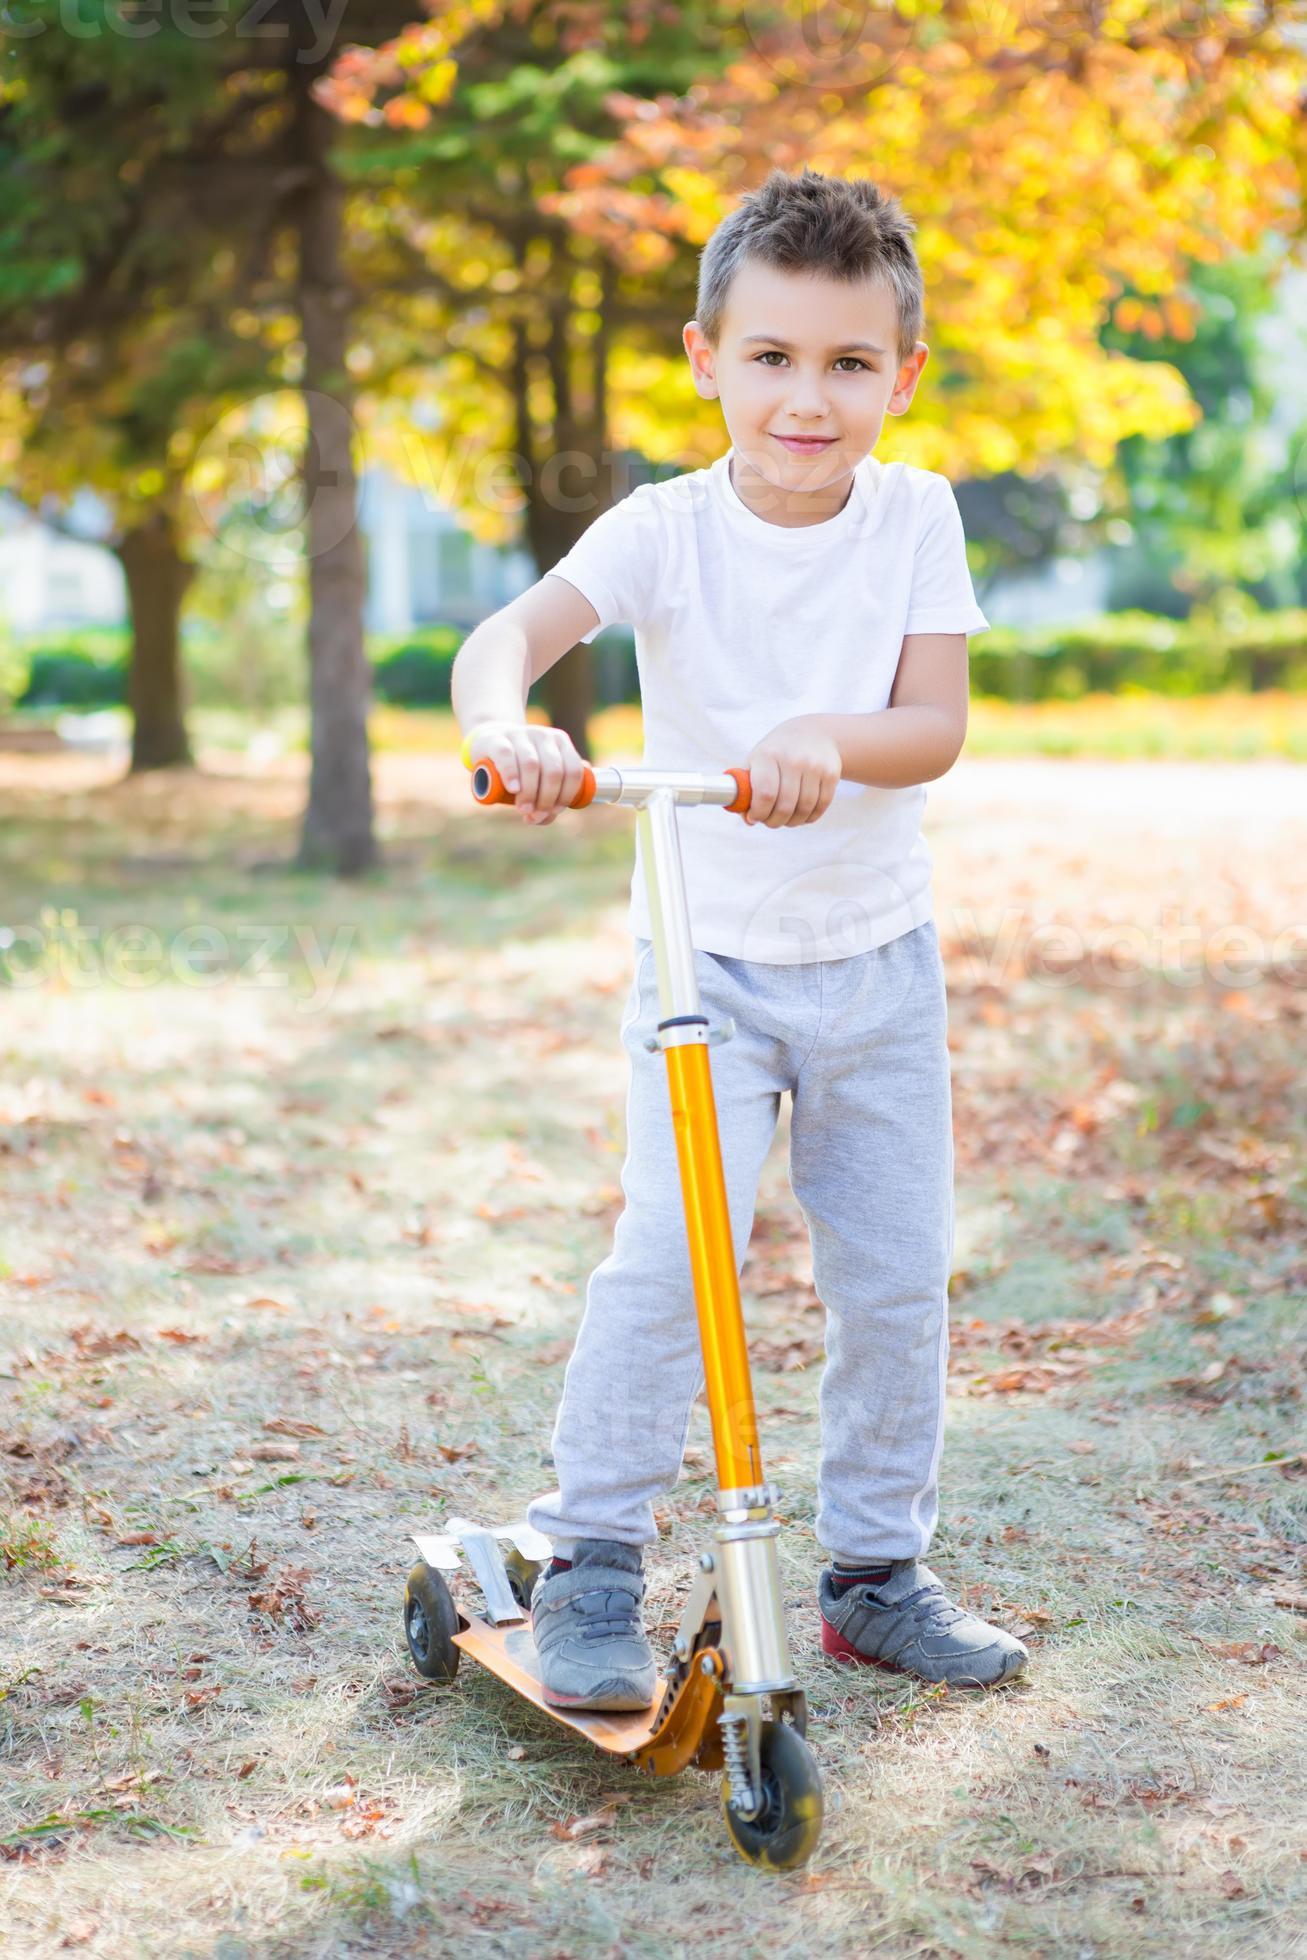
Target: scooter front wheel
(430,1623)
(784,1831)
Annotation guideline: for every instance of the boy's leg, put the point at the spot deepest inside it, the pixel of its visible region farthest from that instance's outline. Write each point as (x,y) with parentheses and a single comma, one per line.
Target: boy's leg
(872,1165)
(637,1365)
(871,1162)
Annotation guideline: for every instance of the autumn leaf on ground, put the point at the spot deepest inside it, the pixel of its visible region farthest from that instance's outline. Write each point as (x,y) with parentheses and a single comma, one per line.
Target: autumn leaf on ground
(80,1930)
(580,1827)
(92,1343)
(452,1452)
(367,1820)
(399,1692)
(282,1598)
(199,1697)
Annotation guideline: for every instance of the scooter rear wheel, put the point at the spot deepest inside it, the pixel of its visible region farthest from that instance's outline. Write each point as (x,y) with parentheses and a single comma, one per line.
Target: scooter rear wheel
(430,1623)
(783,1833)
(522,1575)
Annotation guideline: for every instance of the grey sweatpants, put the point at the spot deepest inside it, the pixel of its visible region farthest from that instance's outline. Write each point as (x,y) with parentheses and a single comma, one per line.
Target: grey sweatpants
(860,1044)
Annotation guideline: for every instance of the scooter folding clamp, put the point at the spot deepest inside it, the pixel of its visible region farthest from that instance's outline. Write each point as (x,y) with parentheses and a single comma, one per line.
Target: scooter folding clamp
(736,1505)
(687,1030)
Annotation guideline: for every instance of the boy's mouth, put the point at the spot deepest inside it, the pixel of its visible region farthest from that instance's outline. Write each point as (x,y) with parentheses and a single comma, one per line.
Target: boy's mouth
(804,445)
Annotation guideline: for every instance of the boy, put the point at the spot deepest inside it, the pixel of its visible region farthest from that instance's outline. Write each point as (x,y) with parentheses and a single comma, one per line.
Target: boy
(803,609)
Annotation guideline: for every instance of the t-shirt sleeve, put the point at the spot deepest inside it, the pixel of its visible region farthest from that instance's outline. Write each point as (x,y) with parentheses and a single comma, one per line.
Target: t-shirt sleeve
(942,599)
(615,564)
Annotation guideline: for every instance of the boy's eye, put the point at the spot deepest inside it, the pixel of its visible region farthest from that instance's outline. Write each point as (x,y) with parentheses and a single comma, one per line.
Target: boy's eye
(774,352)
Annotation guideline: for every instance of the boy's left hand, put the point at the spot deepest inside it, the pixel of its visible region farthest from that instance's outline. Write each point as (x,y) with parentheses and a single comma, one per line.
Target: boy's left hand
(793,773)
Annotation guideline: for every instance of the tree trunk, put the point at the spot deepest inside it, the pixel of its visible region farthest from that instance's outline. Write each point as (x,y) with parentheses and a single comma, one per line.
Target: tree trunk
(157,577)
(567,688)
(337,832)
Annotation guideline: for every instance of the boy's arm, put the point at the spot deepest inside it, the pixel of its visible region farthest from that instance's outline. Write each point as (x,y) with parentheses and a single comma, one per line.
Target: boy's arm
(505,655)
(492,675)
(920,735)
(796,769)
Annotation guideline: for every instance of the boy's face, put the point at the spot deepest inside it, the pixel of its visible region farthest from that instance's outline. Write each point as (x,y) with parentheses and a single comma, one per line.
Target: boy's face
(786,367)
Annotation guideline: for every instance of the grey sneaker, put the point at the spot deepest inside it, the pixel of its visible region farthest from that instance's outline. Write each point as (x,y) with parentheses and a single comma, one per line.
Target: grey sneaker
(588,1630)
(911,1626)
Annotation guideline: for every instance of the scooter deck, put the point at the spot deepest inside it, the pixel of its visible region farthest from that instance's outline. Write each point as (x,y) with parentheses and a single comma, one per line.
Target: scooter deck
(509,1651)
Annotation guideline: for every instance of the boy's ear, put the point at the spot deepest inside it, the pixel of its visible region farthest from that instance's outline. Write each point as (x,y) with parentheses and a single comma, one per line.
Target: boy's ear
(701,358)
(905,382)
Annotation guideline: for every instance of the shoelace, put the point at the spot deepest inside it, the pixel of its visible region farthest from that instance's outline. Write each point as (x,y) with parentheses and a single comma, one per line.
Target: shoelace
(601,1623)
(929,1607)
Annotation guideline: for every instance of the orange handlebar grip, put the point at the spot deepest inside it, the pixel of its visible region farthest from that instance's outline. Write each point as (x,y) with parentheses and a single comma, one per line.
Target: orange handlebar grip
(488,786)
(741,803)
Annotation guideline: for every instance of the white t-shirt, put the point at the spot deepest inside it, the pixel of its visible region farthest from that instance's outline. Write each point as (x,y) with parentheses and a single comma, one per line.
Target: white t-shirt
(740,624)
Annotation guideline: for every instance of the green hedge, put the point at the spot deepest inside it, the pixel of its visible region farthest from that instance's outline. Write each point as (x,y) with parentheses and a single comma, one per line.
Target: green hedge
(1139,651)
(1119,652)
(416,674)
(1115,653)
(69,678)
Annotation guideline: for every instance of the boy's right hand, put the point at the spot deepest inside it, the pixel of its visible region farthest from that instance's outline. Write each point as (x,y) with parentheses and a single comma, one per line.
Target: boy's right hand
(540,766)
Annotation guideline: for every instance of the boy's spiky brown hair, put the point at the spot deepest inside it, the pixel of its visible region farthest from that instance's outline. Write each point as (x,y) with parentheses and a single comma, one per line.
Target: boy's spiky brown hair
(842,226)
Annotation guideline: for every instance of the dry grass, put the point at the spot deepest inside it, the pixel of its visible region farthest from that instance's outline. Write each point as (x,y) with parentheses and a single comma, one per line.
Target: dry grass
(289,1269)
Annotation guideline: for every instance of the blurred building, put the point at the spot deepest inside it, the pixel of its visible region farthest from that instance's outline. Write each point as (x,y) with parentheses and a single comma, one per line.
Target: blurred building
(50,581)
(423,567)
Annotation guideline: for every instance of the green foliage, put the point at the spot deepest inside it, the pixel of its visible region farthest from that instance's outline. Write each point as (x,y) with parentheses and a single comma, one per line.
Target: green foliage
(68,678)
(27,1542)
(1215,506)
(245,622)
(417,673)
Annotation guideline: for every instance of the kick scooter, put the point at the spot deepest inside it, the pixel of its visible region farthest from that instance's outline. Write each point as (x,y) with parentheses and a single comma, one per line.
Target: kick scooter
(729,1699)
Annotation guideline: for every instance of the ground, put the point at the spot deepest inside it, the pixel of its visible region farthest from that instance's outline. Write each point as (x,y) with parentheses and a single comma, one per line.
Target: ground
(301,1184)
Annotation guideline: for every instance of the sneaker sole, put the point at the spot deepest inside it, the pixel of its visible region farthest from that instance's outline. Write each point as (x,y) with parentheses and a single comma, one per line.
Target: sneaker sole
(596,1707)
(837,1648)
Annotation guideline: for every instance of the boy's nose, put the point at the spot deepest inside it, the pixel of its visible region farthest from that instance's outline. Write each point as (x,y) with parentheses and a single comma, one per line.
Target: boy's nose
(808,406)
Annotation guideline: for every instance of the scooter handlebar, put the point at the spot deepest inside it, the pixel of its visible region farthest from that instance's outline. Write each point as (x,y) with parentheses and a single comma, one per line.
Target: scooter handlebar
(488,785)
